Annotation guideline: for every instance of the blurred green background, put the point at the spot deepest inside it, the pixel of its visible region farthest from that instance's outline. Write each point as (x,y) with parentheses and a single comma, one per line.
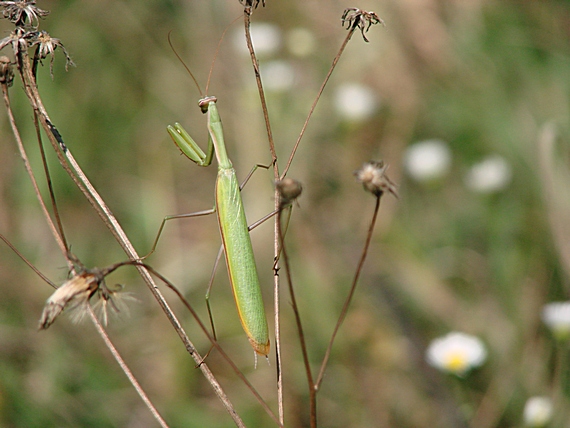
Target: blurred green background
(487,78)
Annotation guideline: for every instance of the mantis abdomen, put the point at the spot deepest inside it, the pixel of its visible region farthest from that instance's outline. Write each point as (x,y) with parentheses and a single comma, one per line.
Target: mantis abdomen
(240,260)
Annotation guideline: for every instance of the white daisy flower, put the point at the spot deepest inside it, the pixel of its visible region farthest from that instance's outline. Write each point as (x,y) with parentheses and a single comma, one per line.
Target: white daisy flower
(355,102)
(427,160)
(557,318)
(456,353)
(537,411)
(266,39)
(490,175)
(278,76)
(301,42)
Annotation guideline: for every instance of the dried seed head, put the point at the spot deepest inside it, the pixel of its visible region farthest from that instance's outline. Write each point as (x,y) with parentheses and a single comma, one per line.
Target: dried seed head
(289,190)
(74,293)
(22,12)
(356,18)
(6,72)
(252,3)
(47,46)
(19,39)
(373,177)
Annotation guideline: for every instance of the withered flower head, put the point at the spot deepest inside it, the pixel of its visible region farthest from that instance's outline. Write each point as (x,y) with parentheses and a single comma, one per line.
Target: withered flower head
(252,3)
(47,46)
(6,72)
(22,12)
(19,39)
(289,190)
(74,295)
(373,177)
(356,18)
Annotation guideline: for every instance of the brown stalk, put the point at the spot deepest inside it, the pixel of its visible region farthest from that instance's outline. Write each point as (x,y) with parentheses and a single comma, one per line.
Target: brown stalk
(276,229)
(61,244)
(300,332)
(344,310)
(102,333)
(355,19)
(317,98)
(69,164)
(126,369)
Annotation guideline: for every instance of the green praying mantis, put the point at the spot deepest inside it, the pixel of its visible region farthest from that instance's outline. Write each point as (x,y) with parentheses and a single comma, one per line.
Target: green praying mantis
(229,206)
(233,226)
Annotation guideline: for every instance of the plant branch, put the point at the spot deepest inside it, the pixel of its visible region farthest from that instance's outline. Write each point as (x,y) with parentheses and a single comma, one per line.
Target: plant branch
(74,171)
(344,310)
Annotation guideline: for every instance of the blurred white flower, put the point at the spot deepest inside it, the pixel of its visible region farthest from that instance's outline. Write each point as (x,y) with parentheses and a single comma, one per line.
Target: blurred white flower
(537,411)
(557,317)
(355,102)
(490,175)
(277,75)
(427,160)
(456,353)
(266,39)
(300,42)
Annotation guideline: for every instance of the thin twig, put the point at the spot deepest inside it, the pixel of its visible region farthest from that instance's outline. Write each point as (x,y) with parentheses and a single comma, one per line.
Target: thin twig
(103,335)
(247,24)
(312,390)
(19,254)
(72,168)
(29,170)
(317,98)
(126,369)
(276,245)
(344,310)
(213,340)
(44,161)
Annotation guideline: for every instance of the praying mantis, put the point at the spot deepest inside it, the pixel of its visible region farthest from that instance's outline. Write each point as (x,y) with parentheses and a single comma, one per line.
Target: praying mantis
(233,226)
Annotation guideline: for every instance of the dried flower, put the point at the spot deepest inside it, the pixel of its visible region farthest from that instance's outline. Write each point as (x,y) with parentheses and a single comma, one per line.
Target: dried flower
(373,177)
(252,3)
(537,411)
(289,190)
(456,353)
(19,39)
(75,294)
(47,46)
(355,18)
(557,317)
(6,72)
(20,12)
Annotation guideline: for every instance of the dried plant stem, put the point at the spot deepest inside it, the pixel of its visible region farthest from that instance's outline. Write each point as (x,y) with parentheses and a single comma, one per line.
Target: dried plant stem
(19,254)
(48,181)
(317,98)
(213,340)
(344,310)
(276,245)
(74,171)
(300,332)
(126,369)
(103,335)
(61,244)
(255,63)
